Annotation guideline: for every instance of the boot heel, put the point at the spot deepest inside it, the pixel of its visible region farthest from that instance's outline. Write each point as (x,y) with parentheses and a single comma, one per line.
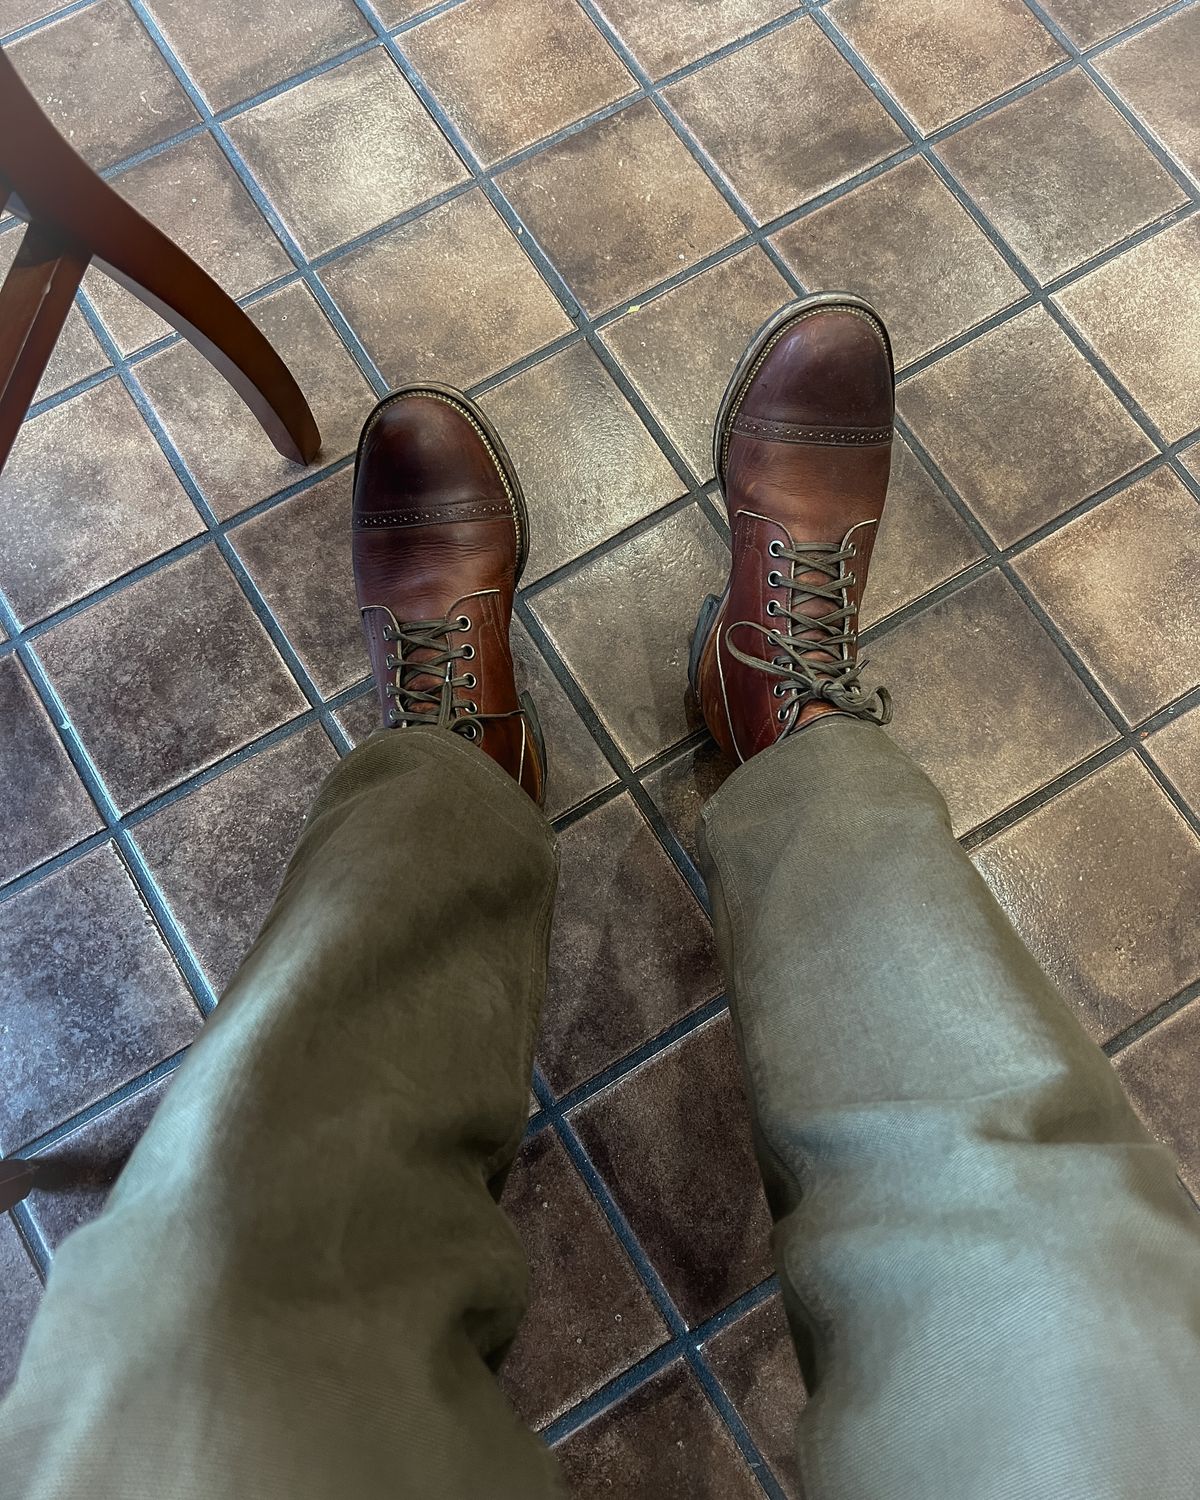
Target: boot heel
(708,613)
(529,709)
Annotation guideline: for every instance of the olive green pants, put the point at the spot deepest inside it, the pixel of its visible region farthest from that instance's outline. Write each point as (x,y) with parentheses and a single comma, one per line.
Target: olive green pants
(302,1283)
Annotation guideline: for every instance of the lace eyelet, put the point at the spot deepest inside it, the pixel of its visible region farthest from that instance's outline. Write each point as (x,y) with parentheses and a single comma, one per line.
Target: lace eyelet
(393,715)
(471,732)
(774,579)
(775,549)
(782,715)
(390,690)
(469,680)
(772,607)
(472,708)
(463,622)
(468,652)
(387,632)
(391,661)
(779,689)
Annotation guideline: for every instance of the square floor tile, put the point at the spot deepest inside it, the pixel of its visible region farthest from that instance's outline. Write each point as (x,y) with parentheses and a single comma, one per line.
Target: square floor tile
(587,464)
(509,72)
(48,808)
(922,540)
(755,1361)
(168,676)
(234,52)
(77,354)
(620,206)
(450,296)
(971,680)
(682,786)
(707,1232)
(20,1294)
(103,82)
(622,625)
(991,413)
(86,495)
(943,58)
(1087,22)
(17,13)
(219,853)
(1061,175)
(1158,1072)
(631,952)
(667,34)
(835,125)
(298,553)
(1123,584)
(1176,751)
(196,198)
(932,274)
(589,1315)
(346,151)
(93,997)
(1103,884)
(228,454)
(680,349)
(1155,72)
(360,717)
(1141,314)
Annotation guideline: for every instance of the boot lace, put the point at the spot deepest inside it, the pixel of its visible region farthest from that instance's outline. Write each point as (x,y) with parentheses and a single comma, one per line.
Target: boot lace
(423,689)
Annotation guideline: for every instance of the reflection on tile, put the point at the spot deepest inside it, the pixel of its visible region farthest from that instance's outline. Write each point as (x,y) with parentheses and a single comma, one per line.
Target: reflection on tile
(587,465)
(1123,584)
(620,206)
(1176,751)
(509,72)
(1087,22)
(1024,378)
(835,125)
(77,354)
(345,151)
(219,853)
(167,676)
(932,275)
(630,953)
(1103,884)
(472,302)
(589,1316)
(20,1293)
(86,495)
(47,809)
(1155,72)
(647,1132)
(755,1361)
(227,452)
(1141,313)
(621,625)
(1061,175)
(680,349)
(93,997)
(682,787)
(195,197)
(662,1442)
(942,58)
(298,553)
(1158,1072)
(667,34)
(234,52)
(984,702)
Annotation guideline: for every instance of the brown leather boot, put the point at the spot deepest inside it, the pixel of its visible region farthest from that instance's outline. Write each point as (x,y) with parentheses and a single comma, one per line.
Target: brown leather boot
(440,540)
(803,448)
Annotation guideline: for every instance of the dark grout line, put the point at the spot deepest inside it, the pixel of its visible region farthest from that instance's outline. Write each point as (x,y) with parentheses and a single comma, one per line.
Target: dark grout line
(1151,1020)
(30,1234)
(43,22)
(40,1144)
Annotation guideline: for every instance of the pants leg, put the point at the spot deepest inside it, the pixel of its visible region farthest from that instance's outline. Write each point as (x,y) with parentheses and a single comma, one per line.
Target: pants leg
(302,1279)
(991,1273)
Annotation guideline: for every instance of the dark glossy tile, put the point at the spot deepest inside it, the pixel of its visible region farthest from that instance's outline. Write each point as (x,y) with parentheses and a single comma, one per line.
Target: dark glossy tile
(1087,22)
(707,1232)
(86,495)
(219,853)
(1176,751)
(587,464)
(682,787)
(298,553)
(932,275)
(971,681)
(473,301)
(103,82)
(231,458)
(1103,884)
(835,125)
(234,52)
(663,1442)
(589,1316)
(1121,583)
(1141,313)
(755,1361)
(167,676)
(1061,175)
(1159,1075)
(509,72)
(667,34)
(620,206)
(1155,72)
(196,198)
(622,625)
(991,413)
(941,58)
(77,354)
(346,151)
(680,349)
(631,951)
(93,997)
(20,1293)
(48,809)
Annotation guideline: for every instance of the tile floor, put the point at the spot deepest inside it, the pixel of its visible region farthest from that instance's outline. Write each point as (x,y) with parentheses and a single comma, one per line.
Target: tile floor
(581,209)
